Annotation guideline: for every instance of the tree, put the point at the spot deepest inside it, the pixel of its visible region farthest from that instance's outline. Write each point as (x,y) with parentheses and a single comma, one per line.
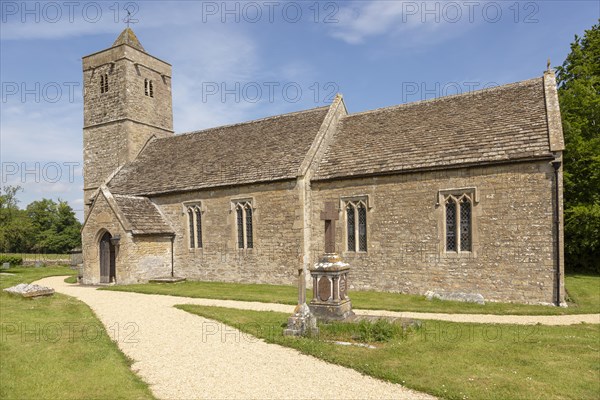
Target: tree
(56,228)
(44,227)
(15,228)
(579,95)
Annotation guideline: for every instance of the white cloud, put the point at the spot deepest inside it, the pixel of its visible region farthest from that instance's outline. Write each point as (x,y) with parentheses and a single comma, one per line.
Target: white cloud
(409,22)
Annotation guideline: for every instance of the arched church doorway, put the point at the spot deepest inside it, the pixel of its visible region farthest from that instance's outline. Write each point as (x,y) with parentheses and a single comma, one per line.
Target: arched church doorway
(107,259)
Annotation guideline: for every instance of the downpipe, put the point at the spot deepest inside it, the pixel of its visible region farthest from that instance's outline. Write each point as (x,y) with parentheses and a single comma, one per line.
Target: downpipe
(556,165)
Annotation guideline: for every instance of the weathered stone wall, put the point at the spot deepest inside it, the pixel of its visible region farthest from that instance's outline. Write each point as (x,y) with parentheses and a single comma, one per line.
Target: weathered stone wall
(513,252)
(138,258)
(277,231)
(151,258)
(127,68)
(119,122)
(100,220)
(513,244)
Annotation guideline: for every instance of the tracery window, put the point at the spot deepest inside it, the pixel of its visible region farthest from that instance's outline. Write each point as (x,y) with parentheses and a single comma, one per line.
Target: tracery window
(244,229)
(458,222)
(103,83)
(194,214)
(356,225)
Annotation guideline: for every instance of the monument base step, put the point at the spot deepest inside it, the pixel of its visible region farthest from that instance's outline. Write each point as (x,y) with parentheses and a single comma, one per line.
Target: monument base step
(167,279)
(332,311)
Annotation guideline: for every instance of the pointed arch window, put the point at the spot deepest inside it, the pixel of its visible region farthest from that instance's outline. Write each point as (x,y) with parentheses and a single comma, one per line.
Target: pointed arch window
(194,215)
(356,225)
(244,224)
(103,83)
(458,223)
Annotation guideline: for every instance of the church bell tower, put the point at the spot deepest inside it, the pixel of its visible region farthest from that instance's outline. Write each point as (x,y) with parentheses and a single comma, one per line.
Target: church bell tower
(126,101)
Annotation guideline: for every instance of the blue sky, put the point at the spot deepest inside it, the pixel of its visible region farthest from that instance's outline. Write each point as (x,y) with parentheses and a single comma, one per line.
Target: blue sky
(236,61)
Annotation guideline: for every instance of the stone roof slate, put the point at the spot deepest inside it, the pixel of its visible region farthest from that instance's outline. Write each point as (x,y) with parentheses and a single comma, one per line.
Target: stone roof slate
(493,125)
(264,150)
(501,124)
(129,38)
(142,215)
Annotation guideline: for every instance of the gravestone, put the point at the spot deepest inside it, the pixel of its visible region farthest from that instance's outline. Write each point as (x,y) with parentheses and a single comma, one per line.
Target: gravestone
(5,265)
(330,276)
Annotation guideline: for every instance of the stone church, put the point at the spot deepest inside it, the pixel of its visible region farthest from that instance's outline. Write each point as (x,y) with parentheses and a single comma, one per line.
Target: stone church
(460,194)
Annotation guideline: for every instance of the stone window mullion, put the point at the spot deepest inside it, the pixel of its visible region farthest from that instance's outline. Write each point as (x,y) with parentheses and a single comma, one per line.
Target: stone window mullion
(457,224)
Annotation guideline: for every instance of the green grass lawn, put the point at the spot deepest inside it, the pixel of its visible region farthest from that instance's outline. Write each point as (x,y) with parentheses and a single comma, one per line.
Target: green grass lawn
(56,348)
(450,360)
(584,291)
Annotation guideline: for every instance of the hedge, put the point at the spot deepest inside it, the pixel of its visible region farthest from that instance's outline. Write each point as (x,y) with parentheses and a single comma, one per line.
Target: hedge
(13,260)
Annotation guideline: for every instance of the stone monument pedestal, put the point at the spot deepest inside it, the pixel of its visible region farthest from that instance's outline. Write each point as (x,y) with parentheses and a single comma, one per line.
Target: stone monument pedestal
(330,289)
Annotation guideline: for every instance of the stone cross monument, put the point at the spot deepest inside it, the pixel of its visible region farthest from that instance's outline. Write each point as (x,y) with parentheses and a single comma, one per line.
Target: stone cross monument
(329,215)
(330,276)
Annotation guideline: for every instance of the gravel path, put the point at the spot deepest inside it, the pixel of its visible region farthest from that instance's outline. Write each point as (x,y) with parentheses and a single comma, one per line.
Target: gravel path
(474,318)
(492,319)
(184,356)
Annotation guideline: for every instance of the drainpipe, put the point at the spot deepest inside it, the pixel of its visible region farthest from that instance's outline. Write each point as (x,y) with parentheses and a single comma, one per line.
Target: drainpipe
(172,255)
(556,164)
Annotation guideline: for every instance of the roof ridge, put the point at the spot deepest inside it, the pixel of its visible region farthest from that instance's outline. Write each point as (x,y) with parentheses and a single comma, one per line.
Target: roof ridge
(129,196)
(207,130)
(444,98)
